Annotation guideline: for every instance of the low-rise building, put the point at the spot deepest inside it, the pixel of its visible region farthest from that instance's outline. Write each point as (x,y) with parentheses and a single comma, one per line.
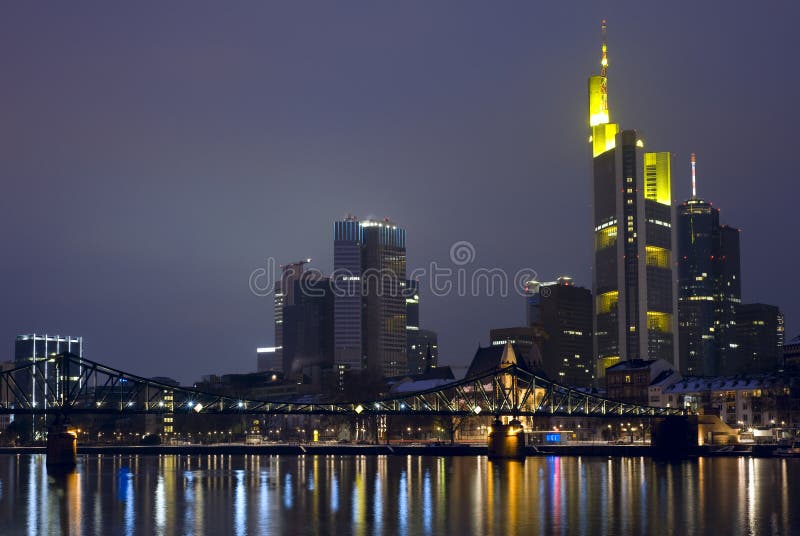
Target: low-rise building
(740,401)
(629,381)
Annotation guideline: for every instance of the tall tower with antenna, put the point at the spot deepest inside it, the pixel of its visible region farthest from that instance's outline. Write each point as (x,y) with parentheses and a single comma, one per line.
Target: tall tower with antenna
(709,287)
(602,130)
(633,278)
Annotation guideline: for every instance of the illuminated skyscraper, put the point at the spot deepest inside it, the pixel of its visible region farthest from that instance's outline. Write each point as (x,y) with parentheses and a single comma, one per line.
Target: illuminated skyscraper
(709,288)
(564,312)
(633,280)
(369,280)
(43,385)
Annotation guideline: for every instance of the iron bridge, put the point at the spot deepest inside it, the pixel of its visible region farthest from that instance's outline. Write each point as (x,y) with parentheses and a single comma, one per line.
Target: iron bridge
(69,384)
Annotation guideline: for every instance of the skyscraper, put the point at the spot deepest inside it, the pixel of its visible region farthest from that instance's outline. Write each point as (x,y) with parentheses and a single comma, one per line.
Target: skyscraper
(308,328)
(369,281)
(43,385)
(633,280)
(564,312)
(284,295)
(709,283)
(422,345)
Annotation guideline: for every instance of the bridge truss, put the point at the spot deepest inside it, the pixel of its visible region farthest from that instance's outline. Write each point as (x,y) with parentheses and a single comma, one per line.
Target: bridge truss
(67,383)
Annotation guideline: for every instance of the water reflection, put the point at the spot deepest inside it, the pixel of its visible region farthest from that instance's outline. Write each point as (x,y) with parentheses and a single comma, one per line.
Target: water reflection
(405,495)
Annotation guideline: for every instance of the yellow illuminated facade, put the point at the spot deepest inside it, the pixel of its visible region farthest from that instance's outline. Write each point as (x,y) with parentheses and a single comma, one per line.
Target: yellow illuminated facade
(659,321)
(606,362)
(656,256)
(607,301)
(603,130)
(598,101)
(605,238)
(633,240)
(603,137)
(657,177)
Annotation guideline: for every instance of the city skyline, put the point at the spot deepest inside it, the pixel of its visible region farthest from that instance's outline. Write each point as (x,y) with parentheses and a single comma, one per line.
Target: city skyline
(158,234)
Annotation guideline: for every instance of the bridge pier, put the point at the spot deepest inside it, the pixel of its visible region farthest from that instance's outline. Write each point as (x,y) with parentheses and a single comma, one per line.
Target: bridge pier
(674,436)
(506,440)
(62,445)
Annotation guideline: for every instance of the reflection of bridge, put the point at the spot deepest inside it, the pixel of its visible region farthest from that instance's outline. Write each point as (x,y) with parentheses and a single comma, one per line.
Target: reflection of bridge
(69,384)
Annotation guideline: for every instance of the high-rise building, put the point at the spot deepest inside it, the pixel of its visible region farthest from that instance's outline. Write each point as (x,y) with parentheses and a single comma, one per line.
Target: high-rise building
(267,359)
(369,279)
(308,328)
(284,295)
(422,350)
(40,349)
(422,345)
(759,334)
(564,312)
(41,387)
(527,342)
(709,288)
(633,280)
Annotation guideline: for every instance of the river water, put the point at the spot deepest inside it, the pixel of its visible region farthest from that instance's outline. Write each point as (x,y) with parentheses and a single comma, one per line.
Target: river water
(223,494)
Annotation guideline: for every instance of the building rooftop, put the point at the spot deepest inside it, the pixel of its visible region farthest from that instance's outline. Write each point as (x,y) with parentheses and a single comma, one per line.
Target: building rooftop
(492,358)
(792,342)
(632,364)
(664,378)
(730,383)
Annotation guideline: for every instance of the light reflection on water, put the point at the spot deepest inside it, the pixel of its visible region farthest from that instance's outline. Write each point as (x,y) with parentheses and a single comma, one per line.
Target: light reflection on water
(407,495)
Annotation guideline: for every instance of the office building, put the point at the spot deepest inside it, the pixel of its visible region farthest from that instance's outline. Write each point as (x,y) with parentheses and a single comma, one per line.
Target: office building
(267,359)
(308,332)
(369,278)
(527,342)
(633,279)
(284,295)
(422,345)
(564,312)
(709,288)
(40,349)
(42,386)
(759,335)
(422,350)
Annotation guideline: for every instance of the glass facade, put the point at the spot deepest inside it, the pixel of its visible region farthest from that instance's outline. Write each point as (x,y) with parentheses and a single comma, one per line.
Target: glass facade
(709,279)
(370,296)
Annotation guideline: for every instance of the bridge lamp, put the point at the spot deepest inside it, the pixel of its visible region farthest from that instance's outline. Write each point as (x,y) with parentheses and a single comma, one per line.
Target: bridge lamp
(402,405)
(476,410)
(161,404)
(359,409)
(130,404)
(377,406)
(198,407)
(241,404)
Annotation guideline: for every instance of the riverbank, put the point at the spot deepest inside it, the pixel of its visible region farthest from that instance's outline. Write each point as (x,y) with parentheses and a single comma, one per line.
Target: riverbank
(761,451)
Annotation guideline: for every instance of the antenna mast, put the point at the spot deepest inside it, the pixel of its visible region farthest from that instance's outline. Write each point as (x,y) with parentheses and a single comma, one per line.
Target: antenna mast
(694,176)
(604,59)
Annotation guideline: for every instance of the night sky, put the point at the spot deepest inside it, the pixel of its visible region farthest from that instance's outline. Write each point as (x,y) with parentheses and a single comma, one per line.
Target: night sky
(153,155)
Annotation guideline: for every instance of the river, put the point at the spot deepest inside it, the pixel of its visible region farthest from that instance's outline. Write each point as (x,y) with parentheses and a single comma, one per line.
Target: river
(365,495)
